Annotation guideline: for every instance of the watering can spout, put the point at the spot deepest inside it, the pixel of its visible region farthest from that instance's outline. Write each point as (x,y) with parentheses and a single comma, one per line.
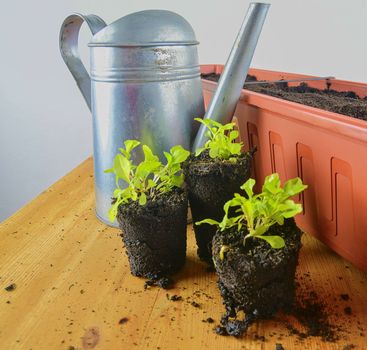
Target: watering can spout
(68,42)
(223,103)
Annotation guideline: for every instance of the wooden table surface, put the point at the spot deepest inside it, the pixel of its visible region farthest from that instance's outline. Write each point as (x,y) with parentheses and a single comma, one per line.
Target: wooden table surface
(73,286)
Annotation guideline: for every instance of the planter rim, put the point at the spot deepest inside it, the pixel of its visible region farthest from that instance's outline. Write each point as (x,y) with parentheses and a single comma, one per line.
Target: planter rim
(333,122)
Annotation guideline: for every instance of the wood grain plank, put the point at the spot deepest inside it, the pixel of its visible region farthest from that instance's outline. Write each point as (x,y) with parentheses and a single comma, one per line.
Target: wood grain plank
(74,286)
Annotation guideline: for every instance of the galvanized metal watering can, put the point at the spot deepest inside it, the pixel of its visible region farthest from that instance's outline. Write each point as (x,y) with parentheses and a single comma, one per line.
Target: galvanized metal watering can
(144,84)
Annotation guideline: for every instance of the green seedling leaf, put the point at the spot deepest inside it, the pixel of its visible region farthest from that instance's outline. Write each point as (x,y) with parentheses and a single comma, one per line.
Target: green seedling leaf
(121,166)
(148,154)
(168,157)
(130,145)
(199,151)
(207,221)
(276,242)
(233,135)
(294,186)
(272,184)
(179,154)
(248,187)
(112,212)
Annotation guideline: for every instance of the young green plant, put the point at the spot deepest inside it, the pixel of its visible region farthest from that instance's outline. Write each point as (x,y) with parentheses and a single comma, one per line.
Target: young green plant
(258,212)
(148,179)
(222,140)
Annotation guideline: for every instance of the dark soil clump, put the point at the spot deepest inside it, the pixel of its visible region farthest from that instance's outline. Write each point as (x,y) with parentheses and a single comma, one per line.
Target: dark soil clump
(195,304)
(348,310)
(175,298)
(342,102)
(123,320)
(255,278)
(155,236)
(10,287)
(211,183)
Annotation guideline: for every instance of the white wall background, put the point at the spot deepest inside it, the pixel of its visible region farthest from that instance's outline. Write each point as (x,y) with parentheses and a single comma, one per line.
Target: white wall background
(45,126)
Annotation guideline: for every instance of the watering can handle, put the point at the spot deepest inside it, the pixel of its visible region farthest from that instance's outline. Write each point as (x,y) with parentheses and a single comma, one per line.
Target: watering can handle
(68,41)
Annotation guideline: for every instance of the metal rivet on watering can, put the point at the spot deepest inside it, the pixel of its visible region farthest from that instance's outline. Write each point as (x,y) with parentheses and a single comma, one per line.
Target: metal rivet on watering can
(223,103)
(144,84)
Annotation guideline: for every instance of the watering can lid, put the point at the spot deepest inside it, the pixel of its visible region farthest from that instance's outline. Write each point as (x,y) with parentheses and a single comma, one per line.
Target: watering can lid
(146,28)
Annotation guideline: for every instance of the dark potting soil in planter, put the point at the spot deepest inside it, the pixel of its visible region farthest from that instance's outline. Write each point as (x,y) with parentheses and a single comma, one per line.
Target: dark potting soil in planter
(344,102)
(155,236)
(211,183)
(255,278)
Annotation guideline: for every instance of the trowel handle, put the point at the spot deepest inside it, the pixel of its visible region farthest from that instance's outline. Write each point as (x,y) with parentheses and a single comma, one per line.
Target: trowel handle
(68,42)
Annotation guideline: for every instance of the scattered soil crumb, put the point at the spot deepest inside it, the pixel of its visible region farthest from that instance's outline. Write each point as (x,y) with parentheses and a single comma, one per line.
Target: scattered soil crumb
(10,287)
(279,346)
(348,310)
(123,320)
(72,347)
(349,347)
(260,337)
(175,297)
(195,304)
(208,320)
(344,296)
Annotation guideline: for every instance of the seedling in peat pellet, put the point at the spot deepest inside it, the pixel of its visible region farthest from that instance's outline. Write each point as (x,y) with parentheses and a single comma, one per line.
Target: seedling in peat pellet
(258,212)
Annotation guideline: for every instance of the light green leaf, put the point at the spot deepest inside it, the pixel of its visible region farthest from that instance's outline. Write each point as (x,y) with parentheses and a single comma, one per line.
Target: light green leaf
(168,157)
(294,186)
(293,211)
(272,184)
(148,154)
(142,199)
(248,187)
(179,154)
(151,184)
(130,145)
(199,151)
(260,230)
(233,135)
(147,167)
(207,221)
(276,242)
(177,180)
(213,152)
(122,167)
(112,212)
